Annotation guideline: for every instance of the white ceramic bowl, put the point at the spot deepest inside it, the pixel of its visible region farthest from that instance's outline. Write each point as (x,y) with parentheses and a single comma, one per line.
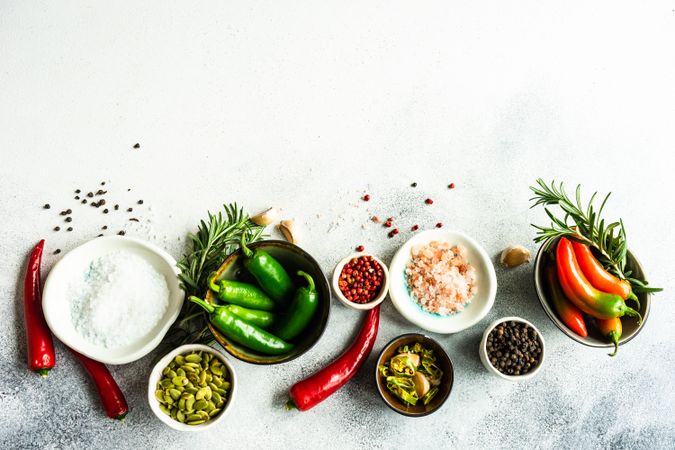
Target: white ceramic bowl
(477,309)
(156,374)
(360,306)
(56,304)
(482,351)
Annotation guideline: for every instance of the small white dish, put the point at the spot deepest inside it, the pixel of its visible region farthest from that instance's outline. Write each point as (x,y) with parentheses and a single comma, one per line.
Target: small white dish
(482,350)
(360,306)
(480,304)
(56,304)
(156,374)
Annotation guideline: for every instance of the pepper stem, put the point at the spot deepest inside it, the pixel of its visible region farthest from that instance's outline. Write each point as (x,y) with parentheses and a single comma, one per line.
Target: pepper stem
(633,297)
(630,312)
(210,309)
(290,405)
(247,251)
(212,282)
(43,372)
(614,336)
(310,280)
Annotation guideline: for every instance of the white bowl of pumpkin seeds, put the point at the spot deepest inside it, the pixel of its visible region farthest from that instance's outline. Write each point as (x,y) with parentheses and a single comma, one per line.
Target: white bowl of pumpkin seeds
(192,388)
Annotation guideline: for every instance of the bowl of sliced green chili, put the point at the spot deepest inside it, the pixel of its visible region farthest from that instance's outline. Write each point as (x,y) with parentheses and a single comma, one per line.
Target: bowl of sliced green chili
(268,303)
(414,375)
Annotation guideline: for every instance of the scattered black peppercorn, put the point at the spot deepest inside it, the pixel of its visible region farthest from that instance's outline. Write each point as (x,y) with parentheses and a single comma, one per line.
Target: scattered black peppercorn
(57,228)
(413,185)
(140,202)
(104,227)
(101,202)
(77,197)
(63,213)
(69,211)
(69,229)
(105,211)
(47,206)
(129,189)
(102,183)
(90,194)
(69,219)
(133,219)
(99,235)
(57,251)
(122,233)
(130,209)
(137,145)
(84,200)
(117,207)
(77,191)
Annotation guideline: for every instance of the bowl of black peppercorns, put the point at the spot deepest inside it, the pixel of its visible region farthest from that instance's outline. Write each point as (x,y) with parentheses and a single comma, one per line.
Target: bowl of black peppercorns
(512,348)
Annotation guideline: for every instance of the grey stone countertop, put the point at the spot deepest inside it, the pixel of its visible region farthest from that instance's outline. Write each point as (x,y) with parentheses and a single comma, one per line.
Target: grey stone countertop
(308,107)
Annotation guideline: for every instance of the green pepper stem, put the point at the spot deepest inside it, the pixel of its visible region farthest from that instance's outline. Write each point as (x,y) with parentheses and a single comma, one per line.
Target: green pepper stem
(308,277)
(614,337)
(210,309)
(43,372)
(630,312)
(633,297)
(212,282)
(247,251)
(290,405)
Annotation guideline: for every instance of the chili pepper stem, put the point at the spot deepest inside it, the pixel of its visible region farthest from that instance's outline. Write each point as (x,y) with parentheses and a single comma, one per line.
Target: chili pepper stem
(212,283)
(615,339)
(290,405)
(42,372)
(633,297)
(210,309)
(247,251)
(310,281)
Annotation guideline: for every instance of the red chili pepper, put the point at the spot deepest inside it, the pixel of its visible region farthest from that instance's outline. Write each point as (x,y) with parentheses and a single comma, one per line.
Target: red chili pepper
(598,276)
(40,347)
(568,313)
(601,305)
(317,387)
(612,330)
(111,395)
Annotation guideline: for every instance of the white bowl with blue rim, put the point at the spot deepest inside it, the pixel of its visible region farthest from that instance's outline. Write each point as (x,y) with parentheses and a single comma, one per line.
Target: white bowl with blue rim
(475,310)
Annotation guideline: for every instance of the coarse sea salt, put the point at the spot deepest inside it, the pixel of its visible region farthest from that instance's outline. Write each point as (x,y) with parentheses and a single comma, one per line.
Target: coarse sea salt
(119,299)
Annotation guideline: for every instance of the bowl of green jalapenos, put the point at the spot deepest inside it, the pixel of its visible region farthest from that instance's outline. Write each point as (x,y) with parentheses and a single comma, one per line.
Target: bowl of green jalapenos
(268,303)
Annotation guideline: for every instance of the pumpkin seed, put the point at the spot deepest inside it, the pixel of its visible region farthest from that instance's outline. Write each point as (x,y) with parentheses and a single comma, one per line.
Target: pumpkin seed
(174,393)
(216,369)
(210,406)
(213,412)
(180,372)
(196,422)
(201,404)
(216,397)
(193,358)
(187,369)
(180,359)
(159,395)
(166,383)
(189,404)
(164,409)
(179,381)
(180,416)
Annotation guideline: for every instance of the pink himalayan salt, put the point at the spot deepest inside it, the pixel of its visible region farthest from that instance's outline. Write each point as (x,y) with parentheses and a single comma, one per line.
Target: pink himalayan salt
(440,278)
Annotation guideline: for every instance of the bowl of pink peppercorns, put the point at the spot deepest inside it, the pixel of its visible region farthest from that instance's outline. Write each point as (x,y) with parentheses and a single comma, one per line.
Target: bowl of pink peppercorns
(361,281)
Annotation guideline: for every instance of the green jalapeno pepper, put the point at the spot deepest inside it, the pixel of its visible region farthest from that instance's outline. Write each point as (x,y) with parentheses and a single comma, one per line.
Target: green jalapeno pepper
(242,294)
(262,319)
(300,312)
(270,275)
(242,332)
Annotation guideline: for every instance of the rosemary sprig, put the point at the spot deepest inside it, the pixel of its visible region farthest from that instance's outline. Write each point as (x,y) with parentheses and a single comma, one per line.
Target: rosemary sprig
(214,240)
(608,239)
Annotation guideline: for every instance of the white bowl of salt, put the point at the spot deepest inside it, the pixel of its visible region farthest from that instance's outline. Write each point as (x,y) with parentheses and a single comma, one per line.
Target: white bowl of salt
(113,298)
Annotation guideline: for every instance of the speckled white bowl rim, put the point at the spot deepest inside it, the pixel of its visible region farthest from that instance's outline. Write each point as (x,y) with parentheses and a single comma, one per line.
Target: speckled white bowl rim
(482,350)
(473,313)
(156,374)
(365,306)
(56,306)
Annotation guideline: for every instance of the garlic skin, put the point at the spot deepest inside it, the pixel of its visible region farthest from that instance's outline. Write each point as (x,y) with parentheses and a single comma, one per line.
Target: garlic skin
(287,228)
(266,217)
(514,256)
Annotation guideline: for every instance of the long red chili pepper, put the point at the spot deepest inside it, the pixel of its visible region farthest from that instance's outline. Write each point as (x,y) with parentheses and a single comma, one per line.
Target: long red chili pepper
(580,291)
(612,330)
(568,313)
(111,395)
(40,347)
(317,387)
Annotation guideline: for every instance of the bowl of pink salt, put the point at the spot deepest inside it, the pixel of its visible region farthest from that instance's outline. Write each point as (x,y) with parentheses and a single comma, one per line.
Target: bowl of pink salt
(442,281)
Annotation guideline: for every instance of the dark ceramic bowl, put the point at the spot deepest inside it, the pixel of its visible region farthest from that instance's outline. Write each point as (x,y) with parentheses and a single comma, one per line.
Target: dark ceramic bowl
(443,362)
(631,327)
(293,258)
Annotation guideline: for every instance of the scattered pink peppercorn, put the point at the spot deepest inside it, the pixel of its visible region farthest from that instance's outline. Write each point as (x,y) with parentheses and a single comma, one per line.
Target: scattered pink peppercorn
(366,198)
(387,224)
(439,225)
(390,219)
(360,248)
(415,227)
(429,201)
(451,186)
(393,232)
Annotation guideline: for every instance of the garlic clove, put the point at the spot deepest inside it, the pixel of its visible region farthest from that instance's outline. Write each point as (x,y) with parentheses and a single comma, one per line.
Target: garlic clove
(266,217)
(422,384)
(414,357)
(287,228)
(515,255)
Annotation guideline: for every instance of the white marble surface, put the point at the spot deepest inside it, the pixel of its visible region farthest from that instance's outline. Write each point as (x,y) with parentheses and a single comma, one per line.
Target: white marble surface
(306,106)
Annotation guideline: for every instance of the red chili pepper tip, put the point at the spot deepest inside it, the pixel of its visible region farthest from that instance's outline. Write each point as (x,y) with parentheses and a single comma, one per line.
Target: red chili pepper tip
(429,201)
(366,198)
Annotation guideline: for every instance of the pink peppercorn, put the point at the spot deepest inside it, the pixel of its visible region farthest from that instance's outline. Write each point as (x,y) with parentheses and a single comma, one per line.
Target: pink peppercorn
(415,227)
(366,198)
(361,279)
(439,225)
(429,201)
(387,224)
(451,186)
(360,248)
